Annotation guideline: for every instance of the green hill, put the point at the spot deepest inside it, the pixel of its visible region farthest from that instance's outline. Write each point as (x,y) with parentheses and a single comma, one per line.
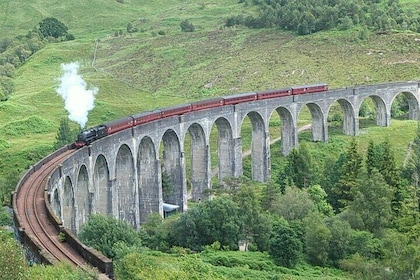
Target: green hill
(159,65)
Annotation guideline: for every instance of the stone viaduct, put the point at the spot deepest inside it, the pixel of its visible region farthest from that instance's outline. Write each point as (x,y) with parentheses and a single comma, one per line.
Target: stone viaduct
(120,175)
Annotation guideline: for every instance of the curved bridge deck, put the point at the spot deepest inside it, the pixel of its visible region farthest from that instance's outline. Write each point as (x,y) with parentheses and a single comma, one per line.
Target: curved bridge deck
(32,217)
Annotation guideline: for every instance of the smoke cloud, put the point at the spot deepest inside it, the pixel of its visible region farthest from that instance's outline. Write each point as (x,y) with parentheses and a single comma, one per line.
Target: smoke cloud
(78,99)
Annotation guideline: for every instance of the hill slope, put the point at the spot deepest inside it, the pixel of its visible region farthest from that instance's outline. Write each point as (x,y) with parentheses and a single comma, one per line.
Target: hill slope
(160,65)
(143,70)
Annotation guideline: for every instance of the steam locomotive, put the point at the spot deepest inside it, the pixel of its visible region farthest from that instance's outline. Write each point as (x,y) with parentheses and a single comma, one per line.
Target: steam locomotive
(88,136)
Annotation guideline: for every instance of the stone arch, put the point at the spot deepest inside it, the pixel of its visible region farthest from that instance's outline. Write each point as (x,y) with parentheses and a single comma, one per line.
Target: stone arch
(381,111)
(149,178)
(350,119)
(225,148)
(200,162)
(318,124)
(258,148)
(173,165)
(125,186)
(68,211)
(288,130)
(102,187)
(83,198)
(413,105)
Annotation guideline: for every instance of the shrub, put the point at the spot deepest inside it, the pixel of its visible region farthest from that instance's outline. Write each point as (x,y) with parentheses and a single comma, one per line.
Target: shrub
(5,218)
(187,26)
(52,27)
(285,246)
(102,233)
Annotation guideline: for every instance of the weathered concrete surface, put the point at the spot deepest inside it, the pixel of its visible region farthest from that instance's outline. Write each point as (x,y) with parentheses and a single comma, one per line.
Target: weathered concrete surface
(120,175)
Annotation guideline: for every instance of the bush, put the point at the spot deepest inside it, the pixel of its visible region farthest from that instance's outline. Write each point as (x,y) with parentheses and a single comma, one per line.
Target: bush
(52,27)
(6,87)
(70,37)
(285,246)
(5,218)
(102,233)
(187,26)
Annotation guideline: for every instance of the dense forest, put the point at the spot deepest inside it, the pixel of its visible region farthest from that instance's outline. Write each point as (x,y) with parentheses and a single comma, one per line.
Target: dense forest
(308,16)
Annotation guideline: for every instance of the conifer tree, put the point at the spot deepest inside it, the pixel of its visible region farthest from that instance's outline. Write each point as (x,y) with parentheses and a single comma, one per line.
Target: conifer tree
(370,157)
(372,202)
(64,134)
(408,220)
(414,165)
(331,175)
(349,172)
(270,193)
(167,186)
(299,170)
(390,173)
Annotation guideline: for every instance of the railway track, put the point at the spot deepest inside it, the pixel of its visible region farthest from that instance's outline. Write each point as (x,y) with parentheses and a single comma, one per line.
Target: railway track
(40,231)
(34,219)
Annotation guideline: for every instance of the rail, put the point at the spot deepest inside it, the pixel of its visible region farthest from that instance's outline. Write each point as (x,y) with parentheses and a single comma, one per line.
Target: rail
(38,228)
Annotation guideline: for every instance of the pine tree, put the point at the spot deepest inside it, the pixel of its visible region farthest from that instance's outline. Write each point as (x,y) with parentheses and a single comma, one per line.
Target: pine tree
(343,190)
(414,165)
(270,193)
(372,202)
(389,171)
(64,134)
(370,157)
(299,170)
(409,216)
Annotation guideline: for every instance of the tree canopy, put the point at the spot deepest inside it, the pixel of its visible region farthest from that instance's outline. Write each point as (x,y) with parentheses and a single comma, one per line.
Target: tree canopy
(309,16)
(64,134)
(104,233)
(52,27)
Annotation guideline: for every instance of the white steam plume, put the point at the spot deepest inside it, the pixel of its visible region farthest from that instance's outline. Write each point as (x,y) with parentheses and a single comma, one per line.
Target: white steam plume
(78,99)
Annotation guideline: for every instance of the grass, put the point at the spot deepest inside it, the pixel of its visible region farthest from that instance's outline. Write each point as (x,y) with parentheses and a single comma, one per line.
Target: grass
(141,71)
(100,18)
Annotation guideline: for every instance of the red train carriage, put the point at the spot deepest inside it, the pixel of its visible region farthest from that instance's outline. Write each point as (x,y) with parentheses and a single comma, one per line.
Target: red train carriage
(120,124)
(92,134)
(208,103)
(146,117)
(273,93)
(176,110)
(319,88)
(240,98)
(309,88)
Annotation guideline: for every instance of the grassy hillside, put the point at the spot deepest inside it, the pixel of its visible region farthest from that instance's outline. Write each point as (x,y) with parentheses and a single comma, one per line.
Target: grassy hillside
(159,65)
(143,70)
(99,18)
